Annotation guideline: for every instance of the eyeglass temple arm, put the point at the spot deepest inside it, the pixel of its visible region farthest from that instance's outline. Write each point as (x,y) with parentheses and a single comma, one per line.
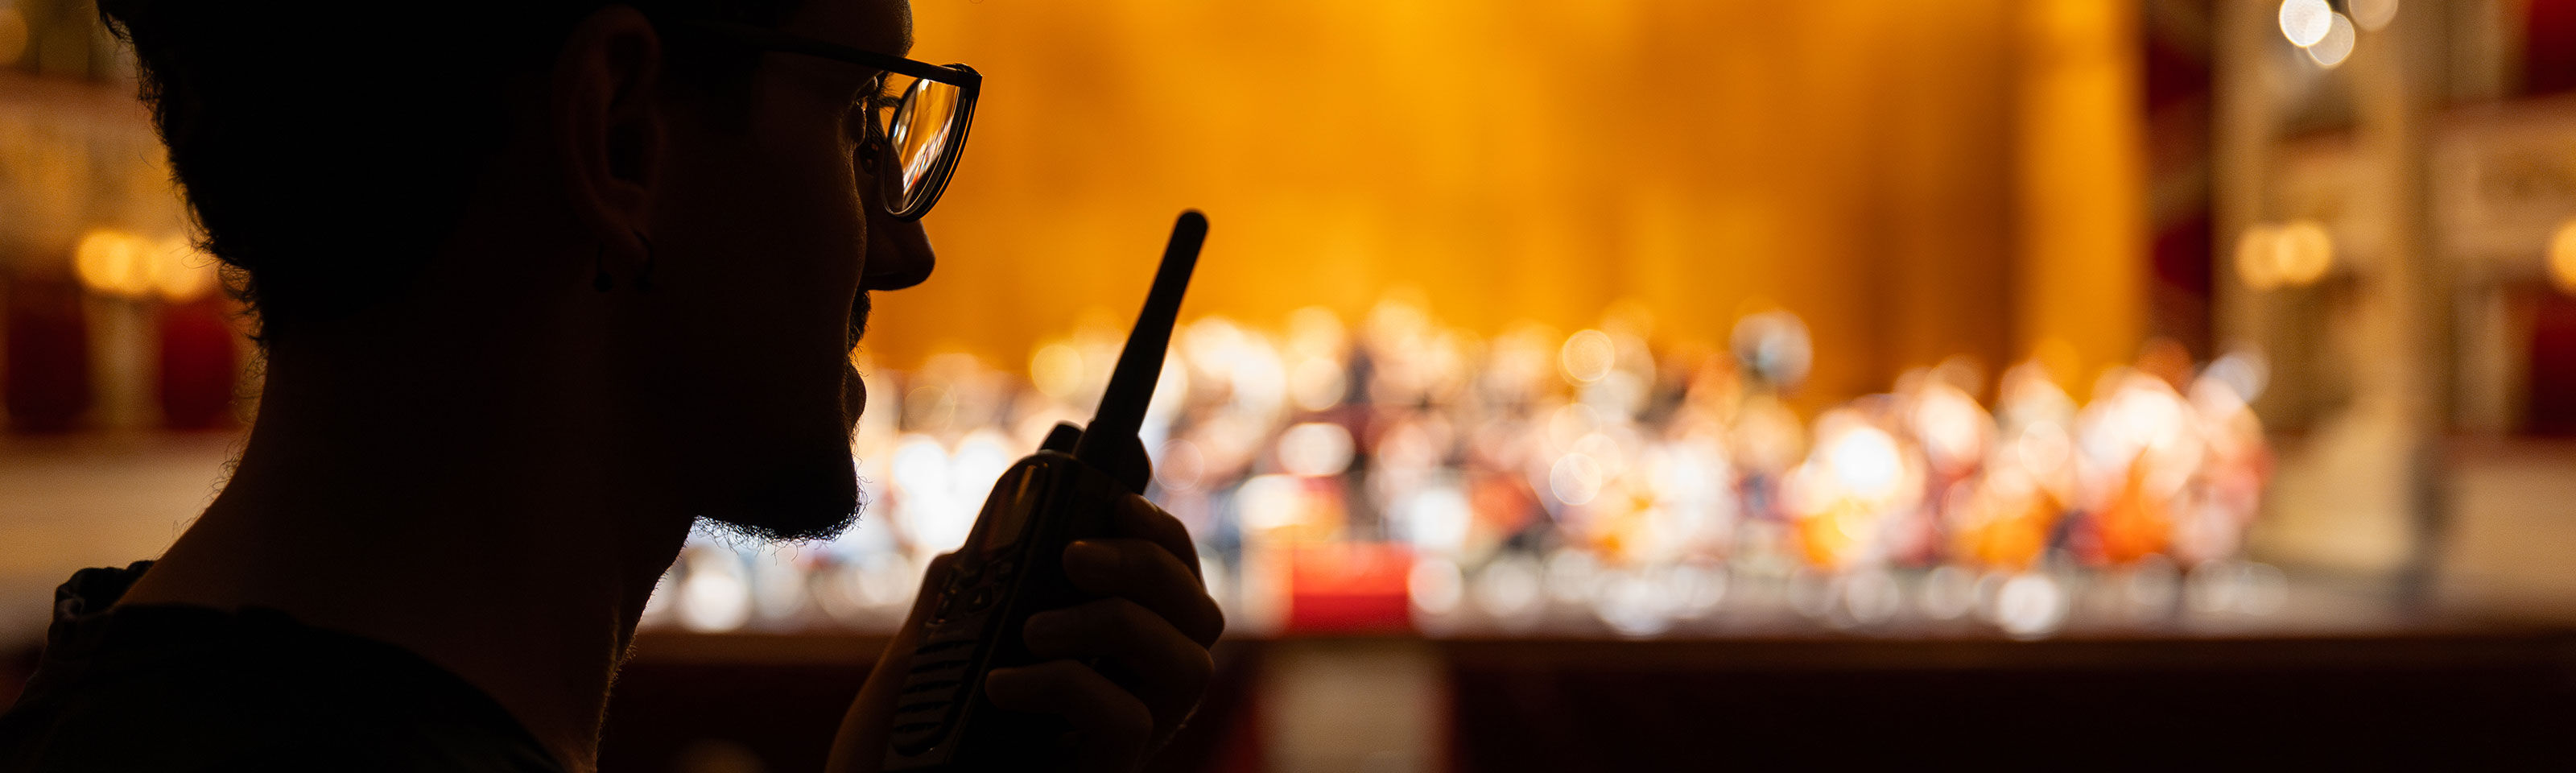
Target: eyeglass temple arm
(774,40)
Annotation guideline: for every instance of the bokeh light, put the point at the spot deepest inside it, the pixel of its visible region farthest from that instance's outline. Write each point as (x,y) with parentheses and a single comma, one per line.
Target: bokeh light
(2292,254)
(1514,489)
(2304,254)
(2562,257)
(1588,356)
(2373,15)
(1056,369)
(2305,22)
(114,263)
(2330,51)
(2257,264)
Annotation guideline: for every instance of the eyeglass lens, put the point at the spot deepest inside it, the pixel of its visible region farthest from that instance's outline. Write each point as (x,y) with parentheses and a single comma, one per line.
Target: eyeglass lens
(921,130)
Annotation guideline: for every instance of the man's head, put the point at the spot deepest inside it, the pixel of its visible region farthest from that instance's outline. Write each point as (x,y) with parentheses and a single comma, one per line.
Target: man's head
(363,169)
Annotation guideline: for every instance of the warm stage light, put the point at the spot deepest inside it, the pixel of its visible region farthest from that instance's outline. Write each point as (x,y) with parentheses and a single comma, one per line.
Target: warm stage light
(2031,606)
(1865,463)
(1315,449)
(1588,356)
(184,273)
(1648,510)
(113,262)
(2255,264)
(125,265)
(2304,254)
(1318,383)
(2330,51)
(2306,21)
(2562,257)
(2294,254)
(1056,370)
(1575,479)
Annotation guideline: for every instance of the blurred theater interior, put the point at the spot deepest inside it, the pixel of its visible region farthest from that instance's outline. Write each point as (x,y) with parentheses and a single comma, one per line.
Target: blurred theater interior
(1608,384)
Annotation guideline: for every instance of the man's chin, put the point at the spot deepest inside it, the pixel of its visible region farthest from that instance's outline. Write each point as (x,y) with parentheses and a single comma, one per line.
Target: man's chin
(811,507)
(784,526)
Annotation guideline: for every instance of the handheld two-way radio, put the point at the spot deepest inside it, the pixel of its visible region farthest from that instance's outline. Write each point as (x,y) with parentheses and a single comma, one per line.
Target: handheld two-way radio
(1011,565)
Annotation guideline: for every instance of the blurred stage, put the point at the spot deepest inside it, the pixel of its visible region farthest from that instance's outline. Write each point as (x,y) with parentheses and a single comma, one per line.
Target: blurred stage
(2344,670)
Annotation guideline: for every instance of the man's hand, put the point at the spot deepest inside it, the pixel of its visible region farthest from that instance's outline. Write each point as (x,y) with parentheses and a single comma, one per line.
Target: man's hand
(1149,632)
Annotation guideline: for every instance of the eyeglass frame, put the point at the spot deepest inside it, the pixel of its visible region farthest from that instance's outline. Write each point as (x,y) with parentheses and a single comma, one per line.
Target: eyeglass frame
(969,83)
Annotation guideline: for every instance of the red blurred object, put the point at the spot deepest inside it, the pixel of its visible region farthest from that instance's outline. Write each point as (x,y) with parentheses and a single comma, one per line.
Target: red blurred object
(198,366)
(1349,587)
(2553,366)
(48,386)
(2549,47)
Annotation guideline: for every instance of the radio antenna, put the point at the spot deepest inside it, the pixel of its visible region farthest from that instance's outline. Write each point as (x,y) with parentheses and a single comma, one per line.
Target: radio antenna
(1140,365)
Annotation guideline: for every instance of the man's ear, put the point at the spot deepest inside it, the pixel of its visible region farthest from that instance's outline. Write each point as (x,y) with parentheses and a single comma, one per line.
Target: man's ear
(607,125)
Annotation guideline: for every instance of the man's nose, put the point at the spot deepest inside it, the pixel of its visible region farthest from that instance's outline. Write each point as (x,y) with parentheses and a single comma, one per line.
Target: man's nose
(899,253)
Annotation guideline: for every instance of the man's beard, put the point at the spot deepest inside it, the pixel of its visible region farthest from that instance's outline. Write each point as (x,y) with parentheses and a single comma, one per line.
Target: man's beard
(814,498)
(812,504)
(788,523)
(858,320)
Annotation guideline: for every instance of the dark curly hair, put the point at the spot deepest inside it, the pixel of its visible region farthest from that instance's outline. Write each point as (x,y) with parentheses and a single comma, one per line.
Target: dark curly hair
(327,147)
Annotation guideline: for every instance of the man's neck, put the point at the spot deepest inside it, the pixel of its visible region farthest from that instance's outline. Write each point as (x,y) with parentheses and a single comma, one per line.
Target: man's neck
(491,524)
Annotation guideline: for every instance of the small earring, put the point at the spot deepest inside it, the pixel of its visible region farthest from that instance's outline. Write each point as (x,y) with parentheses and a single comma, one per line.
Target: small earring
(868,156)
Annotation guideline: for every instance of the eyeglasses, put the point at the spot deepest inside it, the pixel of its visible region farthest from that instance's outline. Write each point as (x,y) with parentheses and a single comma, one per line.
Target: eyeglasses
(924,130)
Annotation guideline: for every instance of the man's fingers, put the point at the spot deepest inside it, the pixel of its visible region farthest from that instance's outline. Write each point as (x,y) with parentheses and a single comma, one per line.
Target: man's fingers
(1146,573)
(1114,727)
(1139,518)
(1170,672)
(1145,641)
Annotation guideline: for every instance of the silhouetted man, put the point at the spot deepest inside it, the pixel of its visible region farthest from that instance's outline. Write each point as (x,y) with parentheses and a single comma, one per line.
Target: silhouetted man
(540,285)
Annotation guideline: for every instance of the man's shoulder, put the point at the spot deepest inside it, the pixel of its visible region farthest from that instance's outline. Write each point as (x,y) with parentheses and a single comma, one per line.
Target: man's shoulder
(194,688)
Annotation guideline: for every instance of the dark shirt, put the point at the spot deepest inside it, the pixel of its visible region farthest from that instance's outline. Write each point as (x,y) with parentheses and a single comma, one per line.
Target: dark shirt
(188,688)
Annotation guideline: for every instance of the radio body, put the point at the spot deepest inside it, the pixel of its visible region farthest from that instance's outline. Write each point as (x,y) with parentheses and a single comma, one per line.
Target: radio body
(1012,564)
(1009,568)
